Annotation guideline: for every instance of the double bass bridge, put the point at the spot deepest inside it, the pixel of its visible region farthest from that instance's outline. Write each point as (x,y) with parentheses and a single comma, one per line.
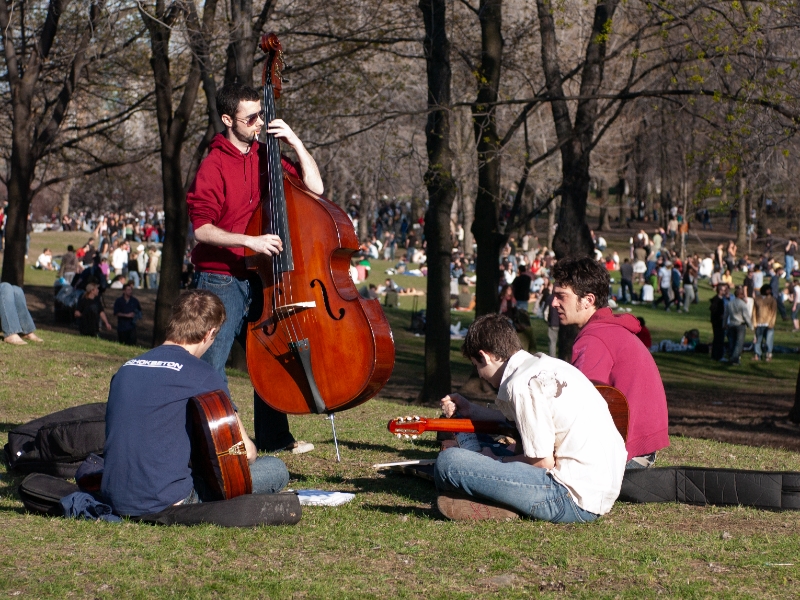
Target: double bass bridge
(284,311)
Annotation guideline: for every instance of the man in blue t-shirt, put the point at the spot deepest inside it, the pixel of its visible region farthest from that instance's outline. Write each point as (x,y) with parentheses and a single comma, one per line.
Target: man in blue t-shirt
(148,444)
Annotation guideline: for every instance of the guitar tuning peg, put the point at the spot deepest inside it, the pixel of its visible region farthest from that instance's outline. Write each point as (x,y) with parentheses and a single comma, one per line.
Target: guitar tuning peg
(399,435)
(413,437)
(405,435)
(408,418)
(399,419)
(416,417)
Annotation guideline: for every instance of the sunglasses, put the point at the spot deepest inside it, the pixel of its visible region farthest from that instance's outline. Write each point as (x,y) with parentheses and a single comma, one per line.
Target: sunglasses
(250,120)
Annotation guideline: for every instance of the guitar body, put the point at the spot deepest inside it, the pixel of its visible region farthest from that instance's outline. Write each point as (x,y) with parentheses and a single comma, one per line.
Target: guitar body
(218,451)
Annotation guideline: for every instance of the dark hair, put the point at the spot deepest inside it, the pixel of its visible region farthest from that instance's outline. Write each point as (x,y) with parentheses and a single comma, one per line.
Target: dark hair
(70,248)
(641,321)
(194,314)
(229,96)
(522,268)
(584,276)
(766,290)
(493,334)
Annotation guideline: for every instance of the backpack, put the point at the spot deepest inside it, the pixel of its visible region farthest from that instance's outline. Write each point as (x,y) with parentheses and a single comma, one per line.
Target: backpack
(57,444)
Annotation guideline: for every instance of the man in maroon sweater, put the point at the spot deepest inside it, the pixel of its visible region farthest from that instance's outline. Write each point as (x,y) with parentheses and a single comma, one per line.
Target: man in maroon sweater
(607,352)
(224,195)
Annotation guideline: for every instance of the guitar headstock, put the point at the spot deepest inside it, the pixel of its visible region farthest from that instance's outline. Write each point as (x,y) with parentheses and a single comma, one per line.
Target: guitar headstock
(273,65)
(409,427)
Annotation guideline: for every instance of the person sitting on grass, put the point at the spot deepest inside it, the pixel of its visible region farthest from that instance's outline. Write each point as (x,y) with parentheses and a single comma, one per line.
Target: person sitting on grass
(606,351)
(147,448)
(15,317)
(573,458)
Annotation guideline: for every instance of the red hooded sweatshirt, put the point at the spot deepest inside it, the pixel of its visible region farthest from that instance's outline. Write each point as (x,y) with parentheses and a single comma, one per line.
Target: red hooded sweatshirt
(608,352)
(226,193)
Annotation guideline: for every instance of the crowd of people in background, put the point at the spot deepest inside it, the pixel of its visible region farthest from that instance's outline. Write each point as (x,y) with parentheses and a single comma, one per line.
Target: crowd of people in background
(123,253)
(653,274)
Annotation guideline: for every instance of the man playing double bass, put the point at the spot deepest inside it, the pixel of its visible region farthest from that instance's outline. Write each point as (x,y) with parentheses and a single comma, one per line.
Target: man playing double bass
(222,199)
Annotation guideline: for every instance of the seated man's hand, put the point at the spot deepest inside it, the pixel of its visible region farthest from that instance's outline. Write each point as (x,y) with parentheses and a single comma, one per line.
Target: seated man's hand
(455,403)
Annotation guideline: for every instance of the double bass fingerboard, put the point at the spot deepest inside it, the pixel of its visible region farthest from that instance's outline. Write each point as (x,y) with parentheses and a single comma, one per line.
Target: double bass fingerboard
(273,206)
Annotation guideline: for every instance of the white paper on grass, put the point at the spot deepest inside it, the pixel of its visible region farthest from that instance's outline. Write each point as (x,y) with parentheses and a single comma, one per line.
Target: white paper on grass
(323,498)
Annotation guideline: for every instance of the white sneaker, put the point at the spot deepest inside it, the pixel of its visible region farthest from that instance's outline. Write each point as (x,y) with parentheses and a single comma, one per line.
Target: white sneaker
(300,447)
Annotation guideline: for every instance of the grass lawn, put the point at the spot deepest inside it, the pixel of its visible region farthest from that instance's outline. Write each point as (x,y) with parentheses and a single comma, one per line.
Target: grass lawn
(390,541)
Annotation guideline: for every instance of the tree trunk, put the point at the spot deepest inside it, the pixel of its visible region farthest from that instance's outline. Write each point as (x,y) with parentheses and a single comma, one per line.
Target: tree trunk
(172,128)
(741,230)
(603,223)
(33,133)
(552,215)
(241,49)
(485,226)
(441,193)
(794,414)
(573,237)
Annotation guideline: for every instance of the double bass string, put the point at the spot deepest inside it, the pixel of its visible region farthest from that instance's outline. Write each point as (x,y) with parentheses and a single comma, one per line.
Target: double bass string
(279,224)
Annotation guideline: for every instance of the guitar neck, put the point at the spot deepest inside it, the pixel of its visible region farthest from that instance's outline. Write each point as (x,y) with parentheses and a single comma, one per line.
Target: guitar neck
(416,425)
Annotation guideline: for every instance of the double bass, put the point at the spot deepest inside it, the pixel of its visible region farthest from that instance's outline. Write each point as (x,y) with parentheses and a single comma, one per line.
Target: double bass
(315,345)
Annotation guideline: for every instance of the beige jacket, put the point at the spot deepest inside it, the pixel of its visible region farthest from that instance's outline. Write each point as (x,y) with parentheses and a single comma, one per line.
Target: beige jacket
(765,309)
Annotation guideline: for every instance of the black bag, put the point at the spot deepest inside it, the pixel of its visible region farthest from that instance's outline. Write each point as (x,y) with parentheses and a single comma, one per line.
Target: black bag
(56,444)
(249,510)
(771,490)
(42,493)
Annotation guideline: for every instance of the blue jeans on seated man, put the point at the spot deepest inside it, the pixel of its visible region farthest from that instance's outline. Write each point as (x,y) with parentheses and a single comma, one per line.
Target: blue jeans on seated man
(271,426)
(527,489)
(268,474)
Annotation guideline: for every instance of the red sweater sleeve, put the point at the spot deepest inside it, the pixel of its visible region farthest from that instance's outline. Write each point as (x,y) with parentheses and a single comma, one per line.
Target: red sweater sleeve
(206,195)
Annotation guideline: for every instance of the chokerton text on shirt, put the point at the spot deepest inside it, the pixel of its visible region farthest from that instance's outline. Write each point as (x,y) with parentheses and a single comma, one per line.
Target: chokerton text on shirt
(161,364)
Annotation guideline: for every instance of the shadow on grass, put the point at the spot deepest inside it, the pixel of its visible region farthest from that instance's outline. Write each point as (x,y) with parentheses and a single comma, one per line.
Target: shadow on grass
(6,427)
(412,488)
(364,446)
(411,511)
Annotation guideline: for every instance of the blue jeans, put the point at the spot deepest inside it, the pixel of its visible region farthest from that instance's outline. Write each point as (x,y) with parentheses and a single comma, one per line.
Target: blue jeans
(764,334)
(268,474)
(789,265)
(14,315)
(528,490)
(626,290)
(738,332)
(235,296)
(152,281)
(271,426)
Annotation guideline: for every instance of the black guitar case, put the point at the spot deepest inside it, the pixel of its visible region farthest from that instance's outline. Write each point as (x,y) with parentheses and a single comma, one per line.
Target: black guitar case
(769,490)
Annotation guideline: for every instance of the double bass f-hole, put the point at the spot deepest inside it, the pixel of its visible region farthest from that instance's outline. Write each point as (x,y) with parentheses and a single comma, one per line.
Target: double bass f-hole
(327,302)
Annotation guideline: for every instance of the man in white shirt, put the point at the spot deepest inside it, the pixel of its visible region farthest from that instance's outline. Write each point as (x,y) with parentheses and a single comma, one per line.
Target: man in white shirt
(573,458)
(119,259)
(664,283)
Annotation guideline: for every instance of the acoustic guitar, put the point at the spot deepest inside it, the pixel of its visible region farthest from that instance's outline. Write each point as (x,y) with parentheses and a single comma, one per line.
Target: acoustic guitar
(218,451)
(411,427)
